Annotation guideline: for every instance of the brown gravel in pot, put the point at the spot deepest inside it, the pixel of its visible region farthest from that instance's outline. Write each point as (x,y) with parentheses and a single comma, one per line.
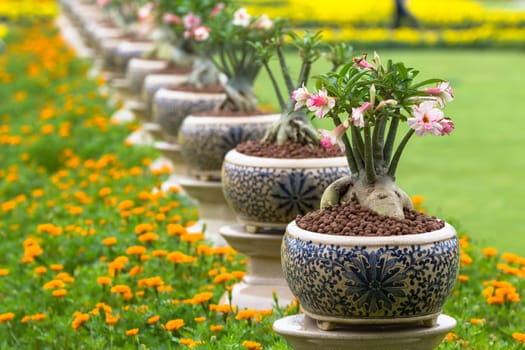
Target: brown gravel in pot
(351,219)
(287,150)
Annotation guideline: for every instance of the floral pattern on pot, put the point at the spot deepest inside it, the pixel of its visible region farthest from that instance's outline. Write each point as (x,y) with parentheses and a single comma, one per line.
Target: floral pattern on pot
(205,140)
(270,192)
(170,107)
(361,280)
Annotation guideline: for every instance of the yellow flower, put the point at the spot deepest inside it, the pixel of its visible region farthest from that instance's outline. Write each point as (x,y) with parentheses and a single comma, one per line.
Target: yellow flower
(251,345)
(520,337)
(153,319)
(136,250)
(8,316)
(132,332)
(173,325)
(216,328)
(103,280)
(246,314)
(79,320)
(59,293)
(489,252)
(109,241)
(478,321)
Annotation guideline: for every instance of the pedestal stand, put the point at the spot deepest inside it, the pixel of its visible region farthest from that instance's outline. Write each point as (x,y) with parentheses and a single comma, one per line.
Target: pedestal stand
(171,152)
(301,332)
(264,275)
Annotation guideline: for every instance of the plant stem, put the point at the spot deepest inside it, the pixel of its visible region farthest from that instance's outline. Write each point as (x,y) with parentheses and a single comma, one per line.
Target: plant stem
(358,144)
(395,160)
(280,98)
(369,158)
(285,70)
(349,153)
(378,138)
(390,139)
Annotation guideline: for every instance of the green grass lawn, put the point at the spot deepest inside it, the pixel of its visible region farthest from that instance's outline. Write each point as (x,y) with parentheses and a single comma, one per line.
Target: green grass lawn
(473,177)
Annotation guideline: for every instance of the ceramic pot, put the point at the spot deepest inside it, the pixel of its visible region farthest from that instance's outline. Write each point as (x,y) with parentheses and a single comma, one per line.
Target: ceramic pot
(370,280)
(154,82)
(138,68)
(205,140)
(170,107)
(268,193)
(133,49)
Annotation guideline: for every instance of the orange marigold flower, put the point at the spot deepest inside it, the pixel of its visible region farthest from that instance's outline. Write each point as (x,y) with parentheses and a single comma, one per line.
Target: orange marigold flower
(222,308)
(125,205)
(200,319)
(136,250)
(109,241)
(148,237)
(489,252)
(135,270)
(246,314)
(103,280)
(143,228)
(465,259)
(223,277)
(251,345)
(176,230)
(40,270)
(8,316)
(417,200)
(56,267)
(199,298)
(54,284)
(478,321)
(153,319)
(180,257)
(173,325)
(105,191)
(520,337)
(4,272)
(79,320)
(38,317)
(132,332)
(192,237)
(510,257)
(451,336)
(111,320)
(59,293)
(159,253)
(216,328)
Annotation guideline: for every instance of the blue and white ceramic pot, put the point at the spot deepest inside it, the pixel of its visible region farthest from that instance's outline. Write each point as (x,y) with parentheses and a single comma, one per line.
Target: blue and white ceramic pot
(268,193)
(370,280)
(171,106)
(205,140)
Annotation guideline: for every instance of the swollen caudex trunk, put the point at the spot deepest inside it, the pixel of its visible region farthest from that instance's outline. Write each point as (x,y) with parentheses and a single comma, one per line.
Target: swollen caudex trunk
(384,196)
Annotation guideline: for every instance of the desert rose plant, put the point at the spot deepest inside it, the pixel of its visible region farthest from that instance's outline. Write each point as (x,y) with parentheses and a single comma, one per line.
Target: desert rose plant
(367,102)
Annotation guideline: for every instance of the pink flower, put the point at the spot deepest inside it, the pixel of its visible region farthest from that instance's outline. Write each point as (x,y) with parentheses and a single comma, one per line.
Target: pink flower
(358,114)
(443,91)
(217,9)
(426,119)
(361,62)
(321,103)
(145,11)
(331,138)
(102,3)
(201,33)
(171,18)
(191,21)
(263,22)
(241,18)
(300,95)
(447,126)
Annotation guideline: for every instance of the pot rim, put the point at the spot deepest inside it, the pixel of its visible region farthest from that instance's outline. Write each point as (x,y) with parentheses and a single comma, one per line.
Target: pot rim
(207,120)
(445,233)
(188,95)
(237,158)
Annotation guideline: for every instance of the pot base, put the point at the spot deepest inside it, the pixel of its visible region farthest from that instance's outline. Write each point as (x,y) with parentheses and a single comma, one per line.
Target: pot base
(301,332)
